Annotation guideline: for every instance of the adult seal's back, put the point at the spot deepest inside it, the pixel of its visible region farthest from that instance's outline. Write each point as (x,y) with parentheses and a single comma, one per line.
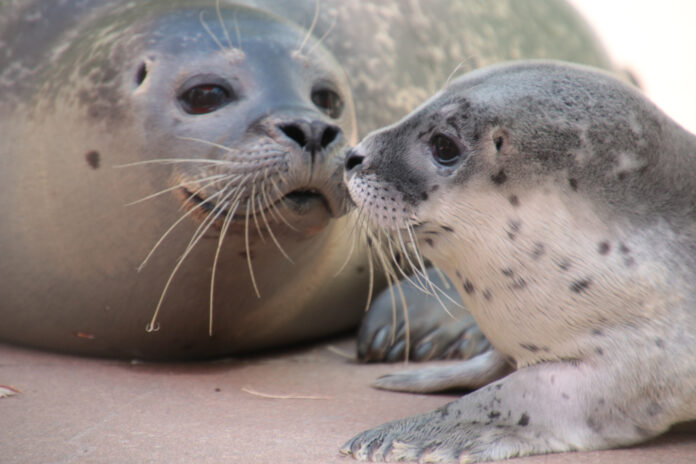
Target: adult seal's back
(560,201)
(217,120)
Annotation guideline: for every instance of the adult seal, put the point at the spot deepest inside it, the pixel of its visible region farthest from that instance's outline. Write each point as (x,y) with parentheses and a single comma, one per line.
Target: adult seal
(223,128)
(560,202)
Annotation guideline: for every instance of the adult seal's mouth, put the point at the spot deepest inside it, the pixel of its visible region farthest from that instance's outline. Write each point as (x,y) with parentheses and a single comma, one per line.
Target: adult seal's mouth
(307,209)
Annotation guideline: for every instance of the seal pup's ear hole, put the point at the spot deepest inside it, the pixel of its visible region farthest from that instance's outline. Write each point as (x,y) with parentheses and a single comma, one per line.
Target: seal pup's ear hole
(141,74)
(500,139)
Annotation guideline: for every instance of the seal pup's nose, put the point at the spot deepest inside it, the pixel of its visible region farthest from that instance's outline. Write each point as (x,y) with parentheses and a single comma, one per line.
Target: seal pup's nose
(312,136)
(353,159)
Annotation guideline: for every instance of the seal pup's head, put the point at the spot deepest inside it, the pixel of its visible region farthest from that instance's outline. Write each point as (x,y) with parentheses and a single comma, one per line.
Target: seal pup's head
(533,185)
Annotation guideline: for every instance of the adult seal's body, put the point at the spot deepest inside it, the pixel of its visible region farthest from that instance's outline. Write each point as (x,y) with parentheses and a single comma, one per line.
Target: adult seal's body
(239,119)
(560,202)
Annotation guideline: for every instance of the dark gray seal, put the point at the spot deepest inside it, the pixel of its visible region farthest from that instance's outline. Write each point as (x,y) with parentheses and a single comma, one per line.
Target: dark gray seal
(560,202)
(230,112)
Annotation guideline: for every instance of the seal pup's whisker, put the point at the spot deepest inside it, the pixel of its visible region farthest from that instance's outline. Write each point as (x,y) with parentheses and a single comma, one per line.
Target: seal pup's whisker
(435,290)
(393,281)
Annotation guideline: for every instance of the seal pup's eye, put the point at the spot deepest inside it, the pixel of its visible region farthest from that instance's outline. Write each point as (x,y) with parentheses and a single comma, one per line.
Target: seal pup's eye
(328,101)
(205,98)
(445,150)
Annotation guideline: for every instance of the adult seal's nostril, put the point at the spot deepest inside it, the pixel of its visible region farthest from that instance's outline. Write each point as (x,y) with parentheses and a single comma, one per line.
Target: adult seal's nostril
(312,136)
(353,160)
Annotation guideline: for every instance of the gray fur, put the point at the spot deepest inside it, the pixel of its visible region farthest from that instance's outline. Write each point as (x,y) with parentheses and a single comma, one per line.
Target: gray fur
(589,271)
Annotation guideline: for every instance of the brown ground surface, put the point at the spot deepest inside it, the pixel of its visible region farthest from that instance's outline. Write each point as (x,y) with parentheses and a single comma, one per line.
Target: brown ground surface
(76,410)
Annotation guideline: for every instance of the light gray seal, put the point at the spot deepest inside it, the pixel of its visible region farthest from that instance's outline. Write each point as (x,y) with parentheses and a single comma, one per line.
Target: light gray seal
(132,130)
(560,202)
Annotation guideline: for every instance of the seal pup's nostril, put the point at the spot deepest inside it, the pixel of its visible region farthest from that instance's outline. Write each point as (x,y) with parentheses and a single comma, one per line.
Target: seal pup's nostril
(353,159)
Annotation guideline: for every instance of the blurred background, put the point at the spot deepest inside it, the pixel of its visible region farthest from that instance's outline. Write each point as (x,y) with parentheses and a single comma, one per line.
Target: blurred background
(656,40)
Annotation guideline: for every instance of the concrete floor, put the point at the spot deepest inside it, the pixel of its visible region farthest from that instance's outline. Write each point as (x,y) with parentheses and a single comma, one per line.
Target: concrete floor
(76,410)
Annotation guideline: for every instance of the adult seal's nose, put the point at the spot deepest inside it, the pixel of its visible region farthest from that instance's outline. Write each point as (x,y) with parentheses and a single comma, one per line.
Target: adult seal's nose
(313,136)
(353,160)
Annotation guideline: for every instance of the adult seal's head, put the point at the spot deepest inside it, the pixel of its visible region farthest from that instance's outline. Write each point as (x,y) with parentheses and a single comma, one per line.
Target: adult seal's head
(239,117)
(559,201)
(217,123)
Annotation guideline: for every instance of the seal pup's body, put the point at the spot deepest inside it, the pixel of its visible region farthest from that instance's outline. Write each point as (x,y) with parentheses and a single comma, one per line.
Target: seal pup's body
(560,201)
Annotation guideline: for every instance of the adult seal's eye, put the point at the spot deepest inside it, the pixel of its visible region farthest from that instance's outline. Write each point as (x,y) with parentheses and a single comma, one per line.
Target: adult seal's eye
(328,101)
(205,98)
(445,150)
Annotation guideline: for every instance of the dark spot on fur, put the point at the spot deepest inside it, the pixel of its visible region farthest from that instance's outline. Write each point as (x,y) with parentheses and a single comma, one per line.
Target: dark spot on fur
(514,201)
(529,347)
(624,249)
(93,159)
(594,425)
(604,248)
(458,274)
(468,287)
(360,269)
(507,272)
(487,294)
(424,196)
(429,241)
(564,265)
(499,178)
(660,343)
(599,351)
(494,414)
(447,229)
(434,188)
(573,184)
(580,286)
(538,251)
(565,396)
(597,332)
(518,284)
(514,229)
(629,262)
(654,409)
(217,389)
(524,420)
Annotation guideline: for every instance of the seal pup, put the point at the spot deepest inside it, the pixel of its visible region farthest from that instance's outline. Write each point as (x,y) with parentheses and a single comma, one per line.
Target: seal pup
(560,202)
(186,92)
